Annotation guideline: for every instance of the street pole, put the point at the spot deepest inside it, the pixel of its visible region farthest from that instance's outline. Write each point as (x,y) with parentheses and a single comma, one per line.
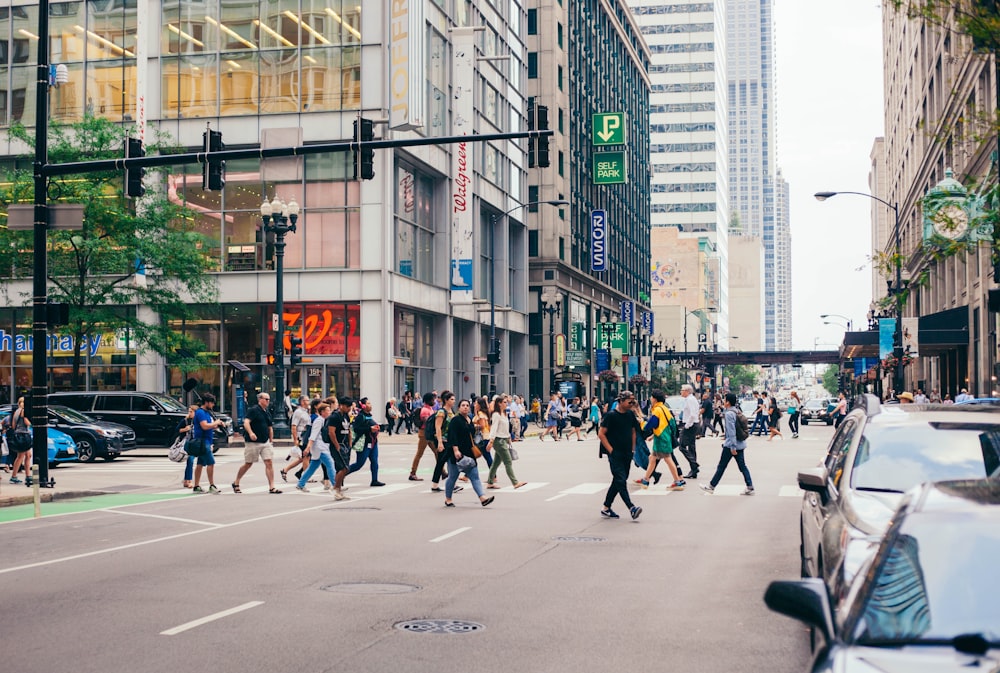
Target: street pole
(38,400)
(276,216)
(897,350)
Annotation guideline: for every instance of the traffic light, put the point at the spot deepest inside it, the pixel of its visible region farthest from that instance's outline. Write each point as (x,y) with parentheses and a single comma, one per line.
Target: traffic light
(134,176)
(213,177)
(269,359)
(493,355)
(531,127)
(364,157)
(295,352)
(542,152)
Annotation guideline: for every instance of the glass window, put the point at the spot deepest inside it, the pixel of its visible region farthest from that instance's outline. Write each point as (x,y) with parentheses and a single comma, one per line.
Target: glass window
(66,101)
(238,93)
(330,79)
(111,30)
(415,222)
(189,86)
(188,27)
(110,90)
(437,83)
(532,65)
(279,79)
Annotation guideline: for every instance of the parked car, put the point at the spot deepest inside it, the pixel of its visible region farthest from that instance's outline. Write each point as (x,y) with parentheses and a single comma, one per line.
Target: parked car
(925,601)
(877,454)
(94,439)
(818,410)
(61,447)
(154,417)
(993,401)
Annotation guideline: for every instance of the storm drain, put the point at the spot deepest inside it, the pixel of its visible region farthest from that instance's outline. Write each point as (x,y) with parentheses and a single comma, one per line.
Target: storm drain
(370,588)
(446,626)
(577,538)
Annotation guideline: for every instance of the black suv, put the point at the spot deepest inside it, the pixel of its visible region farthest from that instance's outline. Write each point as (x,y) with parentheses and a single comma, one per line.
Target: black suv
(153,416)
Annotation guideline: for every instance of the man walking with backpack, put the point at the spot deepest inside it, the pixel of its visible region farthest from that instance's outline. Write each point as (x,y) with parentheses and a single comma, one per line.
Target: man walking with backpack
(733,446)
(422,413)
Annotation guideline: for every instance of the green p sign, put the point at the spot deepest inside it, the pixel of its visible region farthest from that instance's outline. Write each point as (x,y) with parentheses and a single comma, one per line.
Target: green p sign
(609,168)
(608,128)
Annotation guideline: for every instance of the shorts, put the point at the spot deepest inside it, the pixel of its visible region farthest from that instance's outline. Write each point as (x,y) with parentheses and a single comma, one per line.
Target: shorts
(208,458)
(576,422)
(340,461)
(662,454)
(257,450)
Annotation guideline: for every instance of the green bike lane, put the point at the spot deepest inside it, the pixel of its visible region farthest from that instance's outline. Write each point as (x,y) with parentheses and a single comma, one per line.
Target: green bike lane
(84,504)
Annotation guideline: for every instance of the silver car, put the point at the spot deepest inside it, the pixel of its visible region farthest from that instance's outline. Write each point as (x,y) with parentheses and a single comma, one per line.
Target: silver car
(877,454)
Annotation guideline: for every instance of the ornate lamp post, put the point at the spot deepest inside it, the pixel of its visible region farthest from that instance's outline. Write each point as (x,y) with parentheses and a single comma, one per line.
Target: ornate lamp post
(279,218)
(550,305)
(896,289)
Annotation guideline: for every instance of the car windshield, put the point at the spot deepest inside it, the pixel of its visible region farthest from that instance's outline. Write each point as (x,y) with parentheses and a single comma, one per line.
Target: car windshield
(815,404)
(71,415)
(898,457)
(937,581)
(169,403)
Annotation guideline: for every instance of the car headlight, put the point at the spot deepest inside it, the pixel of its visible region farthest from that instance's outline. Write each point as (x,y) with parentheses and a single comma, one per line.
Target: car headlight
(106,433)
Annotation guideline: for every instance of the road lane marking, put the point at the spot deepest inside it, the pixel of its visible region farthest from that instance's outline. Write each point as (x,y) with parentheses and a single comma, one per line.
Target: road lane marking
(210,618)
(556,497)
(167,518)
(457,531)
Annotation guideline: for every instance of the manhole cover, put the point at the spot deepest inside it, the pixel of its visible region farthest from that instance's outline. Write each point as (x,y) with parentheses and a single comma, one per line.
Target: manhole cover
(577,538)
(439,626)
(351,509)
(368,588)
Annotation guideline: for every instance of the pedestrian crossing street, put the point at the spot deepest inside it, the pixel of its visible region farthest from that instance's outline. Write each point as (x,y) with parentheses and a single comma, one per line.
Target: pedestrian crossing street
(554,491)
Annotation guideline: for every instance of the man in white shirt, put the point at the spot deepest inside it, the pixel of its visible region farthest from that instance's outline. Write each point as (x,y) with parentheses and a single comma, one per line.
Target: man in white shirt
(690,416)
(963,396)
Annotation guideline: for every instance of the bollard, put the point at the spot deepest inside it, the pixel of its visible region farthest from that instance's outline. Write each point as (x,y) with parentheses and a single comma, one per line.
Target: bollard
(37,491)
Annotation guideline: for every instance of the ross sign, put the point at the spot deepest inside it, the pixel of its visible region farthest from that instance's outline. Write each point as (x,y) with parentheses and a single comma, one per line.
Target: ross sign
(560,350)
(607,128)
(609,168)
(407,59)
(647,323)
(627,312)
(598,240)
(463,114)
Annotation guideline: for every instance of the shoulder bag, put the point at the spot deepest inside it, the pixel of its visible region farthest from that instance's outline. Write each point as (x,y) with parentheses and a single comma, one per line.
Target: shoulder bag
(176,452)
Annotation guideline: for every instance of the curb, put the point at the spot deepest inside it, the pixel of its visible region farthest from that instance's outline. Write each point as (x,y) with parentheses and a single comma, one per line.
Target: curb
(15,500)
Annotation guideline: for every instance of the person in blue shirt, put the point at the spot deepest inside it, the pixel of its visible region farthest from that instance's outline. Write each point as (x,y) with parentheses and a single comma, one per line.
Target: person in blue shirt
(204,428)
(731,448)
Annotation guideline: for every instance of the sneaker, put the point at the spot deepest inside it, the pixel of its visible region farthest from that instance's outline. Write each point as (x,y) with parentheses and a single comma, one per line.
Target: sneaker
(645,483)
(197,489)
(212,488)
(15,480)
(749,491)
(609,514)
(635,512)
(301,488)
(656,477)
(340,496)
(377,483)
(708,488)
(677,486)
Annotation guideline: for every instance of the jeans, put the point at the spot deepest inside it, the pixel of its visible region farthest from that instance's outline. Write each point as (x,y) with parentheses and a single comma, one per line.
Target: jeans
(441,459)
(759,421)
(502,446)
(323,458)
(619,461)
(724,459)
(371,453)
(472,474)
(189,468)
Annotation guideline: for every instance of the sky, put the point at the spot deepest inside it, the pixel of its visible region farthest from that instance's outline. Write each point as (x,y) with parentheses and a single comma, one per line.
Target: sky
(829,112)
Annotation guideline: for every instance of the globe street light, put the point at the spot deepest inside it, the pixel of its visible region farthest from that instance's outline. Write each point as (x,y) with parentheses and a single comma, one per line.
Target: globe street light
(279,218)
(896,289)
(493,354)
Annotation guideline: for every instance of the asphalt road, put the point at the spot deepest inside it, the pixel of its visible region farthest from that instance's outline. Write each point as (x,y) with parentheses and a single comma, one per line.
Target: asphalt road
(159,580)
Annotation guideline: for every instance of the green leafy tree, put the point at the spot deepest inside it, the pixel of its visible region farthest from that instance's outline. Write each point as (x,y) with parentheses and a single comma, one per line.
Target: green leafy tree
(94,270)
(831,379)
(740,376)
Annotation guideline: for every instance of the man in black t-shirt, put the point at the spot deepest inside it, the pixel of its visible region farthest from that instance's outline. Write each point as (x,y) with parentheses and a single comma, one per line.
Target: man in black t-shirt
(338,429)
(259,434)
(707,413)
(619,431)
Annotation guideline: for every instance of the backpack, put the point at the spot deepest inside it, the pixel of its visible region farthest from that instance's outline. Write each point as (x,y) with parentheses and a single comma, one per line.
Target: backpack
(417,419)
(742,427)
(357,439)
(430,428)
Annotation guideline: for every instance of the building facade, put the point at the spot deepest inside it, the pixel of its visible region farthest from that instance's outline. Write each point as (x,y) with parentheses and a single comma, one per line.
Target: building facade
(385,279)
(689,147)
(940,105)
(585,58)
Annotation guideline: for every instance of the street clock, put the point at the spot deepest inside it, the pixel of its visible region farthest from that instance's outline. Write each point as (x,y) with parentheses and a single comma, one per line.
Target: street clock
(947,209)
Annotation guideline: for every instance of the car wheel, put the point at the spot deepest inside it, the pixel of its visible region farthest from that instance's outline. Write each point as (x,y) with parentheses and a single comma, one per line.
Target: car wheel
(85,449)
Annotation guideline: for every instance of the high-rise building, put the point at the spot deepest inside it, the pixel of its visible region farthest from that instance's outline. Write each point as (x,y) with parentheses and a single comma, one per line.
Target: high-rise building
(688,154)
(585,57)
(754,189)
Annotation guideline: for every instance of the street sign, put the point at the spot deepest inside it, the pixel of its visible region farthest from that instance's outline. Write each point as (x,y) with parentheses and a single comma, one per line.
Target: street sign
(609,168)
(598,240)
(560,350)
(647,322)
(628,312)
(274,322)
(576,358)
(607,128)
(617,338)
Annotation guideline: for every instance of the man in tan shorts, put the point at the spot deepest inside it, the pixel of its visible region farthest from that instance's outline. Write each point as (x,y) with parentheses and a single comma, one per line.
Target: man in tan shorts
(259,434)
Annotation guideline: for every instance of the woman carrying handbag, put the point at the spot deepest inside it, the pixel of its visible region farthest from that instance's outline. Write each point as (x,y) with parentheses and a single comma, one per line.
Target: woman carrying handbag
(461,457)
(19,443)
(500,442)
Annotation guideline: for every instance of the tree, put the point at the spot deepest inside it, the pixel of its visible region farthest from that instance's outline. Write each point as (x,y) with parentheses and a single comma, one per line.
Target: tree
(740,376)
(95,270)
(831,379)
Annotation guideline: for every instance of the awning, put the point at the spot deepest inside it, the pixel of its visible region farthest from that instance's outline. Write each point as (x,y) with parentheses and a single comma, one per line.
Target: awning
(938,333)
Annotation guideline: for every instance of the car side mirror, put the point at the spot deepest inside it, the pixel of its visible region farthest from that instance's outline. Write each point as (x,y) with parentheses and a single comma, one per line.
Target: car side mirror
(805,600)
(158,410)
(814,479)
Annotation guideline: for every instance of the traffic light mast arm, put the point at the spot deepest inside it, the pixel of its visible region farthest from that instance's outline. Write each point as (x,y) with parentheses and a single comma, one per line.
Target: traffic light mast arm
(72,168)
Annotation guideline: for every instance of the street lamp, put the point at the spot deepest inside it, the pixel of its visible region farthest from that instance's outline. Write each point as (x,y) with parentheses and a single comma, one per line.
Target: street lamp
(279,218)
(550,304)
(493,354)
(896,289)
(607,331)
(850,325)
(847,327)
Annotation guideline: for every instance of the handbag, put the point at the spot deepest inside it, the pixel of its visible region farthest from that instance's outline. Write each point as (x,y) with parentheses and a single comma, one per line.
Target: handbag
(513,453)
(195,447)
(465,464)
(176,452)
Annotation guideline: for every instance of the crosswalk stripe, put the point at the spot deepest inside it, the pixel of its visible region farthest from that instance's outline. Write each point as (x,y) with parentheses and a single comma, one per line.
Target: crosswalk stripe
(380,490)
(728,489)
(530,486)
(643,492)
(588,488)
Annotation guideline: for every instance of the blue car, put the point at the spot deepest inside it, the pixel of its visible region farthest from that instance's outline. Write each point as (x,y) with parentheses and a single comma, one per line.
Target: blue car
(992,401)
(62,448)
